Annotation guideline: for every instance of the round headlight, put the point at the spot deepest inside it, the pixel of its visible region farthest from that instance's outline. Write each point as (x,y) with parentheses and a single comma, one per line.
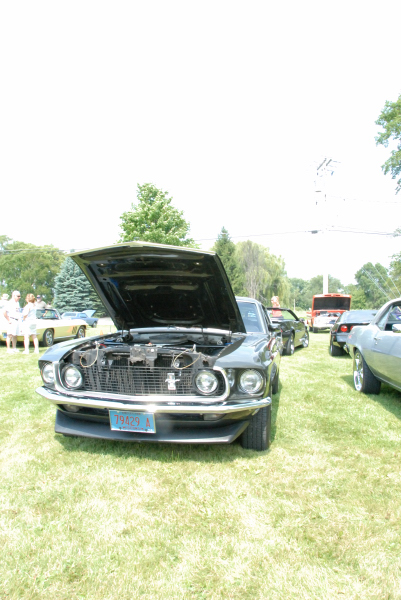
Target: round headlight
(251,381)
(72,377)
(48,373)
(206,382)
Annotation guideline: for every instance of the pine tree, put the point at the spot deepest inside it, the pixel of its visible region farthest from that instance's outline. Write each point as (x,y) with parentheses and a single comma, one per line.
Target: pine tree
(73,292)
(225,248)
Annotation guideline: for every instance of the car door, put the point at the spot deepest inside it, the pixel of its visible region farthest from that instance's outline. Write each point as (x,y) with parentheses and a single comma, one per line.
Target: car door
(386,348)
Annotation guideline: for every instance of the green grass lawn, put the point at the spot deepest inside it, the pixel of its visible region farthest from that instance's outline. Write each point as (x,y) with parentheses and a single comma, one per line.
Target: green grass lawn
(315,517)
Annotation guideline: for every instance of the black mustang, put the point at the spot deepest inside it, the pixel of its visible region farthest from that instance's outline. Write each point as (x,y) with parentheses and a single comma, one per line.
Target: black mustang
(182,368)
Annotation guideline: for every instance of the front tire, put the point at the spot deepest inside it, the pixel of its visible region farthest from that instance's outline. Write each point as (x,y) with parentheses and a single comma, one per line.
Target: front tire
(305,340)
(81,332)
(48,338)
(364,380)
(335,350)
(257,435)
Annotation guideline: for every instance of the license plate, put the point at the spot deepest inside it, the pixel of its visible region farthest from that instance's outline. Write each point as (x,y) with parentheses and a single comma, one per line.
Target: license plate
(122,420)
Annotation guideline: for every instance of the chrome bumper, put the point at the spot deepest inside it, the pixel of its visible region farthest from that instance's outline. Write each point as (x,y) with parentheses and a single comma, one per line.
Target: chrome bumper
(147,405)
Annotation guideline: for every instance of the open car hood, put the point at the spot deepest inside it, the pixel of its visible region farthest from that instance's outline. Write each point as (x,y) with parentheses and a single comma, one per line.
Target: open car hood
(152,285)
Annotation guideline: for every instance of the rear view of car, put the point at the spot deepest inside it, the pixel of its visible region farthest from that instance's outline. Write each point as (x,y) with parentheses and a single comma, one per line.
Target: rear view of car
(342,327)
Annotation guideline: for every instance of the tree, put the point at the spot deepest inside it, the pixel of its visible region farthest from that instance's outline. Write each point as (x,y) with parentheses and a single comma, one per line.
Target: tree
(374,282)
(299,289)
(154,219)
(225,248)
(305,290)
(73,292)
(390,120)
(28,268)
(263,274)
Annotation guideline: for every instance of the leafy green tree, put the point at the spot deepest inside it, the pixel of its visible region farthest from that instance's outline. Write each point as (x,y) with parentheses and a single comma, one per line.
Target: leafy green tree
(358,296)
(225,248)
(308,289)
(154,219)
(299,292)
(374,282)
(73,292)
(28,268)
(390,120)
(263,273)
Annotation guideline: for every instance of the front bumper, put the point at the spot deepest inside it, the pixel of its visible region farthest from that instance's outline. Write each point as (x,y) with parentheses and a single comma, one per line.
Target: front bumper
(173,406)
(167,434)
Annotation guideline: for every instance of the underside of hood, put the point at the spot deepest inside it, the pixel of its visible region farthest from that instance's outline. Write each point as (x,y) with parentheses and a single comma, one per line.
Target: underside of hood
(152,285)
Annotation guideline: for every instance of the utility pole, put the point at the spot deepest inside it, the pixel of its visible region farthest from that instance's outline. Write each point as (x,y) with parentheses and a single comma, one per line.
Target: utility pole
(325,168)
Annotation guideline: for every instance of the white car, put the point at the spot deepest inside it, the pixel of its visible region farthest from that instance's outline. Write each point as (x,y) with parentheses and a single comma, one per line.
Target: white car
(50,326)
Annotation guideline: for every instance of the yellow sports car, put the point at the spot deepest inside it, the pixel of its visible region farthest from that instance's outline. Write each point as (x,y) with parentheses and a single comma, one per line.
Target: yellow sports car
(49,327)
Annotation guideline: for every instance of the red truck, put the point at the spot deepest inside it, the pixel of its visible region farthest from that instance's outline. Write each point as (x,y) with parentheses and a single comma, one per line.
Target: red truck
(326,308)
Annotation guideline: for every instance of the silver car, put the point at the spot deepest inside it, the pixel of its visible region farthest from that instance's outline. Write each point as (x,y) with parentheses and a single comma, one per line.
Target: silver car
(376,350)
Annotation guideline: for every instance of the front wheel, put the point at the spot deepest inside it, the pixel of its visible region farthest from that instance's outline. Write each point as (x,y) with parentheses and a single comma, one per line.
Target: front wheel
(305,340)
(48,337)
(364,380)
(81,332)
(257,435)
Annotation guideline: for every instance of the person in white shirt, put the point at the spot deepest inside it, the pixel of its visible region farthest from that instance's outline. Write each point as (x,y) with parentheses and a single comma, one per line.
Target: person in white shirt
(29,320)
(11,312)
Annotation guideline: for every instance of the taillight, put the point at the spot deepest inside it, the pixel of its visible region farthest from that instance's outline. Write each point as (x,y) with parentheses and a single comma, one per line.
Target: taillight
(343,328)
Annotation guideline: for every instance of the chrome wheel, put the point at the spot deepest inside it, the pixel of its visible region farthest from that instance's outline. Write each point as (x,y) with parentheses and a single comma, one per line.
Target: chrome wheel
(81,332)
(305,341)
(358,371)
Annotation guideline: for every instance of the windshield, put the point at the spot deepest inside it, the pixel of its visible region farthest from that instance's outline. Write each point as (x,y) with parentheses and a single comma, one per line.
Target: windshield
(249,314)
(358,316)
(332,303)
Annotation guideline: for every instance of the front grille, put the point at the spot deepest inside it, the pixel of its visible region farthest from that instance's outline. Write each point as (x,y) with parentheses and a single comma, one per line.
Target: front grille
(141,381)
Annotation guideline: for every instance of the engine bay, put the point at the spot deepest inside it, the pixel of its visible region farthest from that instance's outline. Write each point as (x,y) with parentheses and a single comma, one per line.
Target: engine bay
(177,350)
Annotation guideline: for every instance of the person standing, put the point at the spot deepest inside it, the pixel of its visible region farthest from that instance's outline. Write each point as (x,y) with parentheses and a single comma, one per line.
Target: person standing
(276,305)
(11,312)
(29,319)
(3,301)
(40,303)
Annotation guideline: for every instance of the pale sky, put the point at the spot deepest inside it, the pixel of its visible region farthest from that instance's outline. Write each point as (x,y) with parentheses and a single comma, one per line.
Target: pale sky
(228,106)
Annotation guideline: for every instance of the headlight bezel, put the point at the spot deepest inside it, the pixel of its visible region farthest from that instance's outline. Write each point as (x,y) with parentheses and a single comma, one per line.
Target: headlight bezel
(259,386)
(210,374)
(64,377)
(47,373)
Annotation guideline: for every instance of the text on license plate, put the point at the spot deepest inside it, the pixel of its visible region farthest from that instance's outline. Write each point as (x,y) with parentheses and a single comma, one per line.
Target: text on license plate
(123,420)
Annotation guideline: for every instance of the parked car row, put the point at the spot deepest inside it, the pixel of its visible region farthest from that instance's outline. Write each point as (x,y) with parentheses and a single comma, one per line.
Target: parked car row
(190,363)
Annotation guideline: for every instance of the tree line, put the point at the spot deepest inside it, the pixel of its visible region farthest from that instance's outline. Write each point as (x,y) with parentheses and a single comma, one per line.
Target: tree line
(252,269)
